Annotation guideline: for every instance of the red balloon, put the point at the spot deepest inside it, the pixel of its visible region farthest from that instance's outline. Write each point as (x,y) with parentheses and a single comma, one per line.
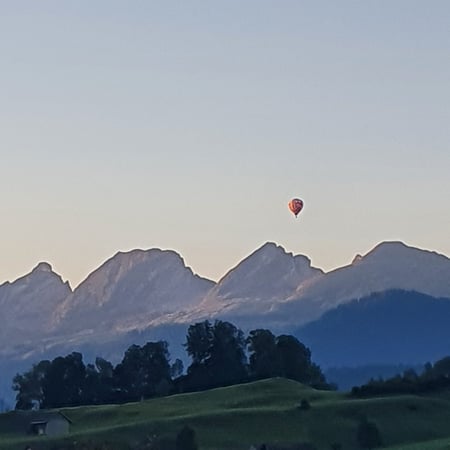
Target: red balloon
(296,205)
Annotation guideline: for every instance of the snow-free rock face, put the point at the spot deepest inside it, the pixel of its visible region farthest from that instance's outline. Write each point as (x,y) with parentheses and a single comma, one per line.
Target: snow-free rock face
(27,304)
(390,265)
(269,275)
(140,290)
(131,289)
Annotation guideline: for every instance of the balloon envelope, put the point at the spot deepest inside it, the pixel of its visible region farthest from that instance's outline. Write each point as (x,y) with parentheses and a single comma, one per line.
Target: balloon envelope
(296,205)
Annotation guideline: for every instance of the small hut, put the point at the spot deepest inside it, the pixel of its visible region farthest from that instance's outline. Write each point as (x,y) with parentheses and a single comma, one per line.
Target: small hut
(49,424)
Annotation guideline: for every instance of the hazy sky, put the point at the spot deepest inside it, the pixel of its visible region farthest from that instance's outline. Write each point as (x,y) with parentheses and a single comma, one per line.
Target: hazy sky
(188,125)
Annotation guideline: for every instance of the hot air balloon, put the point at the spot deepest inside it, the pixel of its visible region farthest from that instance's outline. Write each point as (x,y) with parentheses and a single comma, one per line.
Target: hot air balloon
(296,205)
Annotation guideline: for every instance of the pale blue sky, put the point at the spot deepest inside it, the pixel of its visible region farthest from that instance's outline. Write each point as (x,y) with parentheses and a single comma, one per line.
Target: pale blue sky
(190,124)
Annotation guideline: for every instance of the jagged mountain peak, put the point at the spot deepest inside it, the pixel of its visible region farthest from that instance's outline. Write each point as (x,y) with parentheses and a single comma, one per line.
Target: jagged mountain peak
(27,304)
(140,261)
(268,274)
(133,287)
(42,275)
(389,265)
(137,256)
(398,253)
(270,249)
(269,253)
(399,249)
(40,268)
(356,259)
(43,267)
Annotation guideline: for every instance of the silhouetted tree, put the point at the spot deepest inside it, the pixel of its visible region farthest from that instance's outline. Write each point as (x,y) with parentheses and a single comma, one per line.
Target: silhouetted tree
(317,379)
(91,386)
(263,360)
(218,359)
(64,380)
(368,435)
(199,341)
(294,358)
(218,355)
(434,377)
(98,383)
(283,356)
(441,368)
(29,386)
(228,359)
(142,371)
(105,371)
(176,369)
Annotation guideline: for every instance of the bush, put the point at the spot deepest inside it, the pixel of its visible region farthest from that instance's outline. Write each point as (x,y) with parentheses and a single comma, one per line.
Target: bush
(186,439)
(368,435)
(304,405)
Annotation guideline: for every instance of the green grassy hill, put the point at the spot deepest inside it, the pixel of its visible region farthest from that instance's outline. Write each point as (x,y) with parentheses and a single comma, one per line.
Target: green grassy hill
(238,416)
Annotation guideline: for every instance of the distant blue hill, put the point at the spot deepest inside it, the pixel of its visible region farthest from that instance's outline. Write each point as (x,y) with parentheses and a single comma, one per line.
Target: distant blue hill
(393,327)
(347,377)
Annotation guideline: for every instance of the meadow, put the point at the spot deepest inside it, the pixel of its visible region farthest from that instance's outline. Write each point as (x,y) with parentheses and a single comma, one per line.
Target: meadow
(239,416)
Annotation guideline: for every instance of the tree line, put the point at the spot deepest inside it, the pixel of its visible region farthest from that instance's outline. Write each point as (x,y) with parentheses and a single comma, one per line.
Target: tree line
(434,377)
(220,354)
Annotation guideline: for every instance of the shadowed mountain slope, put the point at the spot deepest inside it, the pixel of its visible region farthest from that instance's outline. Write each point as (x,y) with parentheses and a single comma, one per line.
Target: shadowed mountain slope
(391,327)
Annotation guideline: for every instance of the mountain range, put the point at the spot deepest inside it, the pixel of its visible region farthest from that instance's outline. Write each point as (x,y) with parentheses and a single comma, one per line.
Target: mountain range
(142,291)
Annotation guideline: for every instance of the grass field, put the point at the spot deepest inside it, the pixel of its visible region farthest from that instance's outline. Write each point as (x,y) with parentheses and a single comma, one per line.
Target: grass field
(238,416)
(438,444)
